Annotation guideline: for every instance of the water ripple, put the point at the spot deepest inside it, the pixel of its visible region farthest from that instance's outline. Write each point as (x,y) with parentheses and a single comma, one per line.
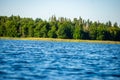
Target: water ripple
(42,60)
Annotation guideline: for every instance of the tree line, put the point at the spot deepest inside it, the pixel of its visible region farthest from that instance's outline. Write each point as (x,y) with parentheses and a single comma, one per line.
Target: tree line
(65,28)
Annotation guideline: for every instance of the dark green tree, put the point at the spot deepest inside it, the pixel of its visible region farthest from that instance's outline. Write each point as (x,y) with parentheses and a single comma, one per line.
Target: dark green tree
(52,32)
(64,31)
(93,31)
(78,32)
(15,26)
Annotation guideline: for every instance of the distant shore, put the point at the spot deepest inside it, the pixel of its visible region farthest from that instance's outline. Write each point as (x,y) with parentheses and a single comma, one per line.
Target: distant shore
(60,40)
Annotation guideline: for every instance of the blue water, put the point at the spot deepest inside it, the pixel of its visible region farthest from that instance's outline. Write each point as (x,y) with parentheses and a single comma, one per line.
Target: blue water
(42,60)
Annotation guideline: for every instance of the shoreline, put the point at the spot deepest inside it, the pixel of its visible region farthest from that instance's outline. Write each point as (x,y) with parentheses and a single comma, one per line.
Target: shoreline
(60,40)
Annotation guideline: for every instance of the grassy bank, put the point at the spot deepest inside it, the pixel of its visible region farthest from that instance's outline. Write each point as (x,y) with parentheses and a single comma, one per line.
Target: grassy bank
(61,40)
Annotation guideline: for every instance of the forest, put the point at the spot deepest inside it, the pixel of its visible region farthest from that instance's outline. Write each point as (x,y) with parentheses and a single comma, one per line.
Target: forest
(64,28)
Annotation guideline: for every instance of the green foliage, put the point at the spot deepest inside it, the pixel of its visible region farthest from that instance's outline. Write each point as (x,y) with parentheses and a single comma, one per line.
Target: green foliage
(78,33)
(114,33)
(93,31)
(61,33)
(15,26)
(52,32)
(64,31)
(101,32)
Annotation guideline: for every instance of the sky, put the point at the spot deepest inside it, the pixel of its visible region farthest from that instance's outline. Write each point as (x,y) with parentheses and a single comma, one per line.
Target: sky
(95,10)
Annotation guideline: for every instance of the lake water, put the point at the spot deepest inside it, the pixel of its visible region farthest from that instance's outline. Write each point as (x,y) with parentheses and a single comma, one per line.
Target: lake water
(45,60)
